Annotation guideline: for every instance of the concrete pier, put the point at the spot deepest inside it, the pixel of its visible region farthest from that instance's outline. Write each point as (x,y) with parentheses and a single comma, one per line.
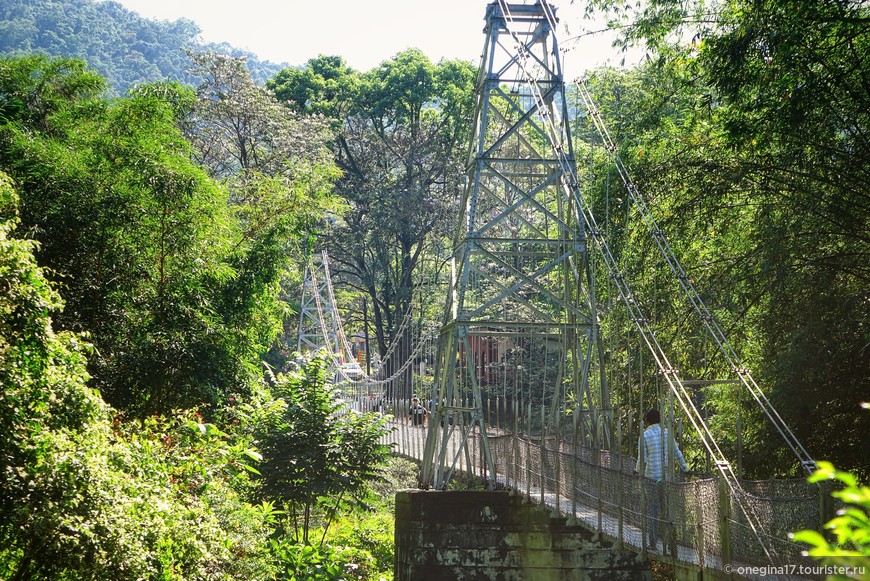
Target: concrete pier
(495,536)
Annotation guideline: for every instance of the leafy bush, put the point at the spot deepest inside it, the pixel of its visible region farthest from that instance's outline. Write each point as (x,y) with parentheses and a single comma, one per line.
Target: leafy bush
(371,529)
(850,528)
(87,495)
(317,455)
(371,533)
(324,562)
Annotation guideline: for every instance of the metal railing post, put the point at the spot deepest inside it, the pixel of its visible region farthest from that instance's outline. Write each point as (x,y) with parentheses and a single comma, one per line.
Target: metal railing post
(724,520)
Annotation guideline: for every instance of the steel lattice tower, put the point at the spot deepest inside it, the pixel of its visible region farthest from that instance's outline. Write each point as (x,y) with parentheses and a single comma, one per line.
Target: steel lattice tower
(319,322)
(520,315)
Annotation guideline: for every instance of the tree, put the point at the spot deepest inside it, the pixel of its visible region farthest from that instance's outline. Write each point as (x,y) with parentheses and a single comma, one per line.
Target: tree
(136,233)
(680,160)
(240,129)
(325,86)
(794,81)
(317,454)
(279,171)
(400,146)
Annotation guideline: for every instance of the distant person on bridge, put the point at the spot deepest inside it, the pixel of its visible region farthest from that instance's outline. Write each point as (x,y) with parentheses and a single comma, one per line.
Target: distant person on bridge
(653,448)
(417,413)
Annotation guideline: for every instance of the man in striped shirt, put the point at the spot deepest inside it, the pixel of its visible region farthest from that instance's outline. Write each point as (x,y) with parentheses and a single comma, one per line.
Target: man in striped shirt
(653,453)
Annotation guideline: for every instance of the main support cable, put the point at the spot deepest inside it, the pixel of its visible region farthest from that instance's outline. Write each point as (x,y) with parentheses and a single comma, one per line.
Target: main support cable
(691,293)
(332,330)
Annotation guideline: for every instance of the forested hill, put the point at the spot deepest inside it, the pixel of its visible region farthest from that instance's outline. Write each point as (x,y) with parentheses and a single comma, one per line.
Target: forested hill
(121,45)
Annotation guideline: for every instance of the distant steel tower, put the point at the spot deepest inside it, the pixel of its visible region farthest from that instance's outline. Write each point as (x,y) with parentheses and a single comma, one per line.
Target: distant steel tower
(319,321)
(520,318)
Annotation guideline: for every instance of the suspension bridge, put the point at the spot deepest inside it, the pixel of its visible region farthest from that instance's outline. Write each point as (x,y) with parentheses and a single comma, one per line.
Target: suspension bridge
(538,373)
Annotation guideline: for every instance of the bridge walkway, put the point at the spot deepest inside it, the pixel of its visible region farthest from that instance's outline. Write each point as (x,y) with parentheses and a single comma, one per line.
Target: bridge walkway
(704,530)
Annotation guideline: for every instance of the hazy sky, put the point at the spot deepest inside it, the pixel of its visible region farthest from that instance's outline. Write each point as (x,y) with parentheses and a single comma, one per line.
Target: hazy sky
(365,32)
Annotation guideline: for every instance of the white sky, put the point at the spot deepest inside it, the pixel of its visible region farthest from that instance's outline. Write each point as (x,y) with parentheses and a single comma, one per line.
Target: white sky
(365,32)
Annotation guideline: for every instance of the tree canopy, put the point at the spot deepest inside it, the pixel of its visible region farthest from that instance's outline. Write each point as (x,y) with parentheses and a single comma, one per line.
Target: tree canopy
(751,142)
(401,142)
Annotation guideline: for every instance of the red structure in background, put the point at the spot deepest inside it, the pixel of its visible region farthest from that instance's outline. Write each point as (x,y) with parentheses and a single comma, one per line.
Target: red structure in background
(358,346)
(488,354)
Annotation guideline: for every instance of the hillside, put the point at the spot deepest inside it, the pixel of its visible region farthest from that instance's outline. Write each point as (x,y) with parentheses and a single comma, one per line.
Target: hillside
(121,45)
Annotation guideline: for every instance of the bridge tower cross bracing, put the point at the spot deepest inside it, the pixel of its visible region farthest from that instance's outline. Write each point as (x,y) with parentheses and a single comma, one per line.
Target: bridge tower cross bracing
(319,320)
(521,314)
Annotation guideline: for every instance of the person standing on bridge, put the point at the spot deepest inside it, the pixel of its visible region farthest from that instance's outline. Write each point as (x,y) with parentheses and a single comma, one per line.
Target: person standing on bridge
(418,413)
(653,453)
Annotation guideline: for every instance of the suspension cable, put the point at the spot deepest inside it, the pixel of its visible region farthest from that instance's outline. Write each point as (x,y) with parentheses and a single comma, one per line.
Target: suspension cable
(338,359)
(690,291)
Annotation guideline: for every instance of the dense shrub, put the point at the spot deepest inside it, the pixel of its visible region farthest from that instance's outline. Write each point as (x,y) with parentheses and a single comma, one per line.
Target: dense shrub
(87,495)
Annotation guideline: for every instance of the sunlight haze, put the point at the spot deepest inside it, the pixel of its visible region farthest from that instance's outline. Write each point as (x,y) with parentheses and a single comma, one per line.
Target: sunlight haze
(365,33)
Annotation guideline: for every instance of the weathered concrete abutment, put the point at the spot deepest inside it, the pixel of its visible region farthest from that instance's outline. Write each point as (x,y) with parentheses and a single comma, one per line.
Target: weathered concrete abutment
(494,536)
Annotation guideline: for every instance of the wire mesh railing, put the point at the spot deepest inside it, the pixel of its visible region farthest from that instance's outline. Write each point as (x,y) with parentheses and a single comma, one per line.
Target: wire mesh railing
(695,521)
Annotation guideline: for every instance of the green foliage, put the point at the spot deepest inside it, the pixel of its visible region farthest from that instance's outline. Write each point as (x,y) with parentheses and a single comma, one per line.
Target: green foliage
(674,152)
(180,97)
(197,517)
(323,562)
(84,495)
(372,532)
(316,454)
(792,74)
(399,474)
(175,277)
(372,528)
(34,88)
(396,91)
(160,498)
(850,528)
(320,461)
(742,133)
